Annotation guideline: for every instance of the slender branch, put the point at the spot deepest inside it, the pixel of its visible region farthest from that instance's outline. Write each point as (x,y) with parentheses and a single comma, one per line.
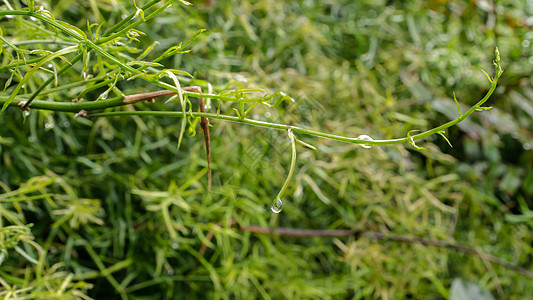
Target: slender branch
(387,237)
(118,101)
(250,122)
(42,42)
(73,107)
(19,63)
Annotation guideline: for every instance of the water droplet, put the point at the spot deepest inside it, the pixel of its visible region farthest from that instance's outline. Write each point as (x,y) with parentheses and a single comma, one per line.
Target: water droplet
(26,113)
(527,146)
(50,66)
(103,96)
(365,137)
(277,206)
(525,43)
(49,125)
(170,272)
(175,245)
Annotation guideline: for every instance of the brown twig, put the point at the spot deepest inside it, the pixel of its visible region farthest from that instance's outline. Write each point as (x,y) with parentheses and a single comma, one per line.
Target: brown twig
(204,122)
(130,99)
(387,237)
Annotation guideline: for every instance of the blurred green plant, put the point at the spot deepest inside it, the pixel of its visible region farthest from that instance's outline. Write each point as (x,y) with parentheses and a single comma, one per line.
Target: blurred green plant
(128,72)
(132,216)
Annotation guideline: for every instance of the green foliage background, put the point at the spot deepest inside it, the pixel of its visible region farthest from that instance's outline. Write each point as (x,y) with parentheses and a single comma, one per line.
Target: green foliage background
(107,207)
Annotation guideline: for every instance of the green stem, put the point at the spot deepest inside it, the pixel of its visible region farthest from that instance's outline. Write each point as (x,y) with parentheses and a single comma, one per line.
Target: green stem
(19,63)
(67,106)
(97,105)
(249,122)
(42,42)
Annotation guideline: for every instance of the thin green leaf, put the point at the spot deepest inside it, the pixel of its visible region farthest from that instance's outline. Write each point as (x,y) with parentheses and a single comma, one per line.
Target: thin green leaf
(75,31)
(8,81)
(240,91)
(195,35)
(457,103)
(1,43)
(148,50)
(97,33)
(250,108)
(281,96)
(306,144)
(85,60)
(180,72)
(26,255)
(147,77)
(54,70)
(143,63)
(487,75)
(238,114)
(441,133)
(182,101)
(89,29)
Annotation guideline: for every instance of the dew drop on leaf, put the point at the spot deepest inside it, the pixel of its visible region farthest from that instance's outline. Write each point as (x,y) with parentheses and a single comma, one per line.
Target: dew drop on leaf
(104,95)
(26,113)
(365,137)
(277,206)
(49,125)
